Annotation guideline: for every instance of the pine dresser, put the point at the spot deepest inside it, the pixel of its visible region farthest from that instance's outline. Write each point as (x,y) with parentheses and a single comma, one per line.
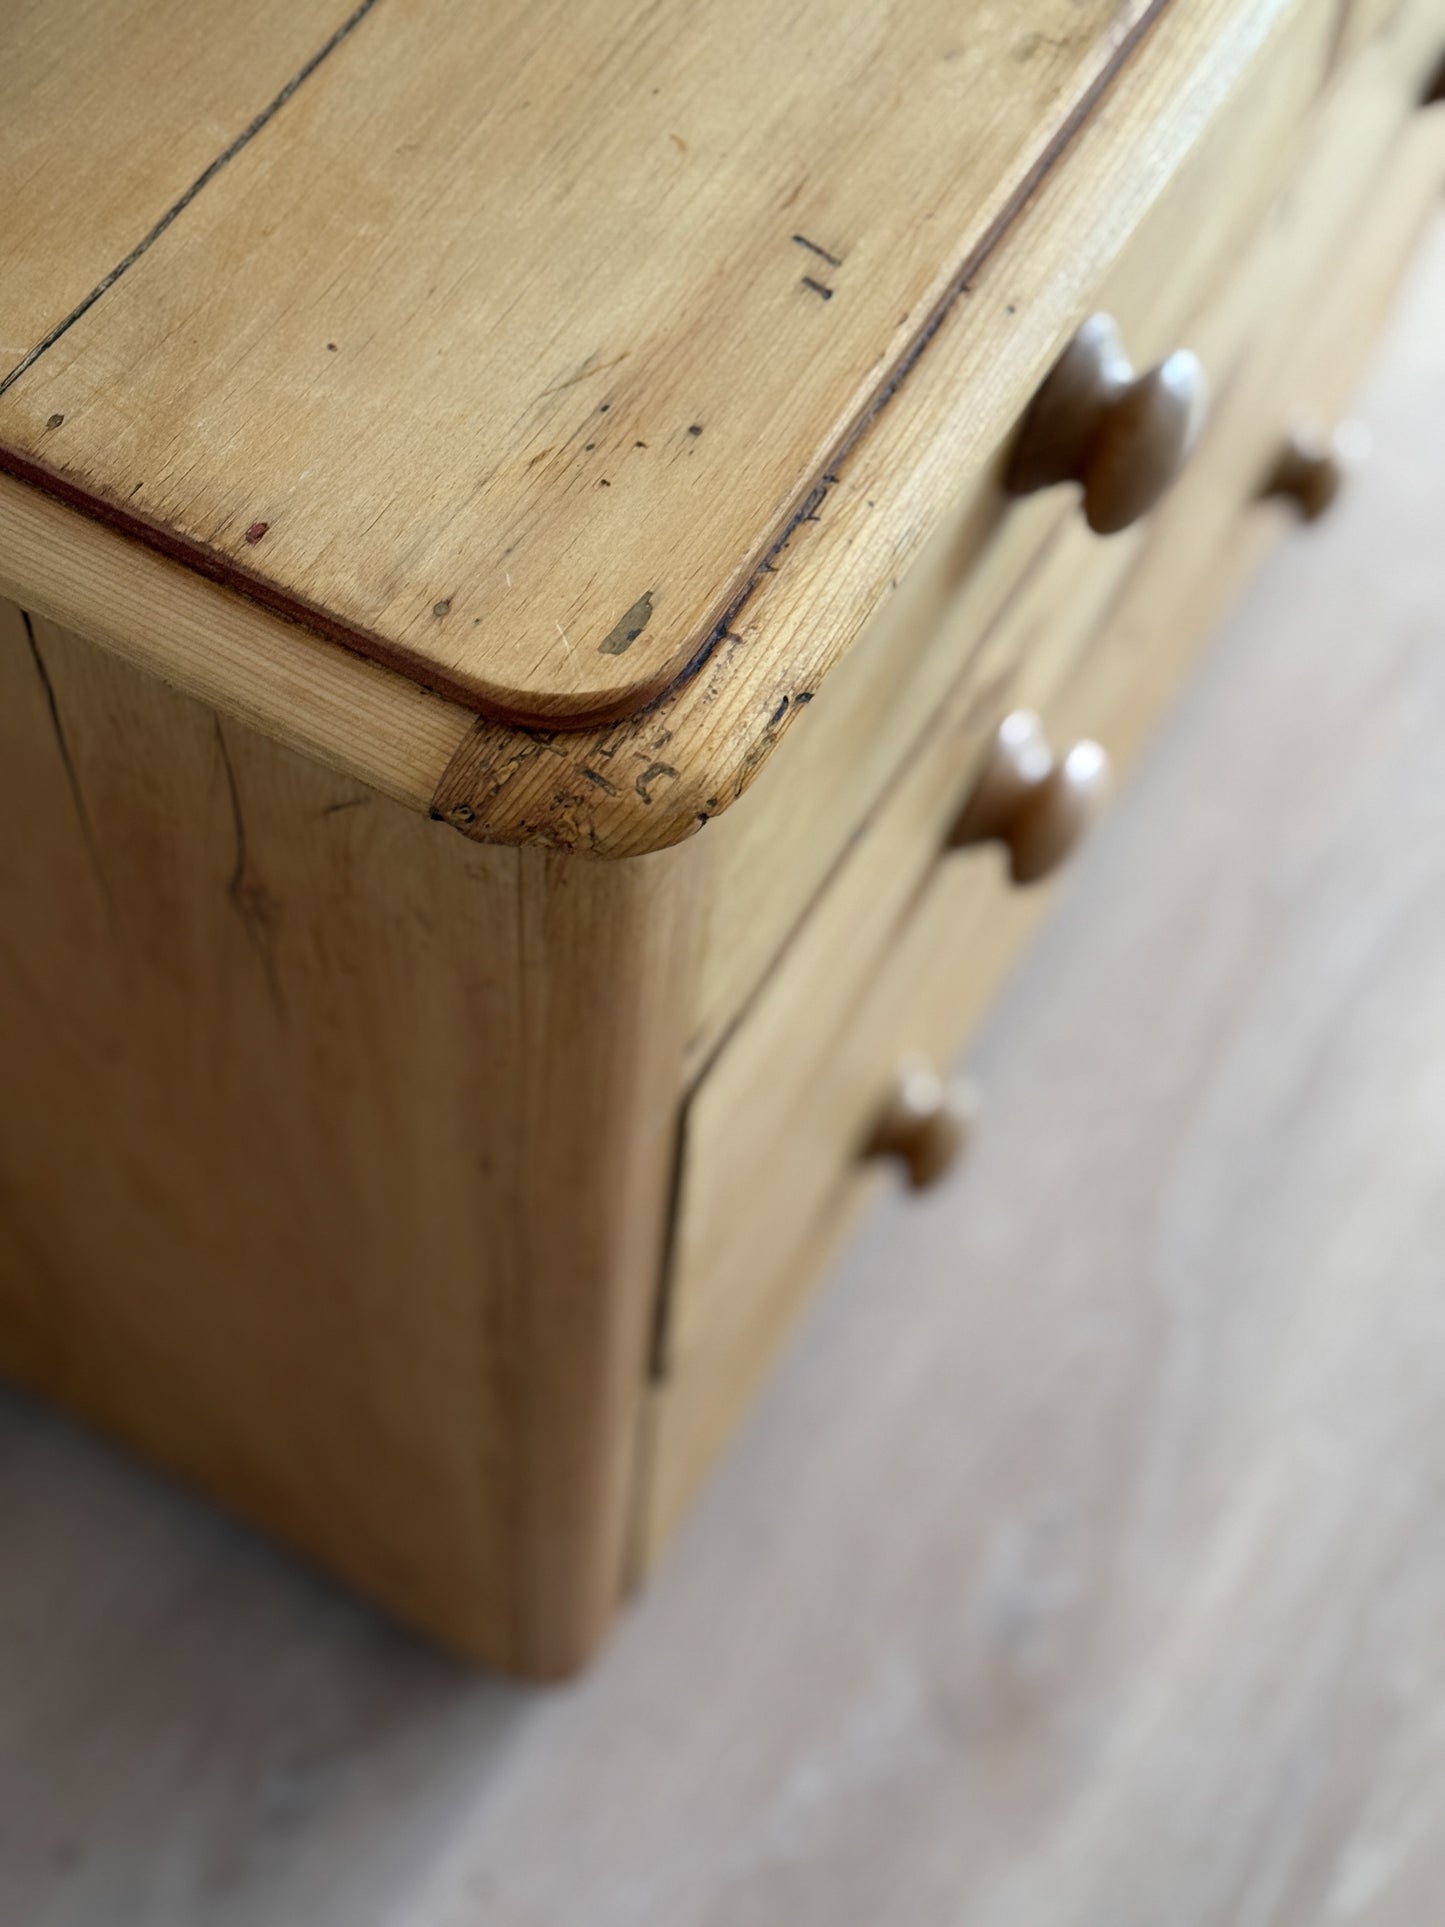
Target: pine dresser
(570,570)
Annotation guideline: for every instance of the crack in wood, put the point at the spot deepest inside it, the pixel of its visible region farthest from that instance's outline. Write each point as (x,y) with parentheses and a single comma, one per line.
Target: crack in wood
(67,761)
(249,897)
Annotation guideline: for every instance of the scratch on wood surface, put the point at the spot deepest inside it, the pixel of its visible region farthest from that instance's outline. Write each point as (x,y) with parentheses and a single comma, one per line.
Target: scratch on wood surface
(249,897)
(589,367)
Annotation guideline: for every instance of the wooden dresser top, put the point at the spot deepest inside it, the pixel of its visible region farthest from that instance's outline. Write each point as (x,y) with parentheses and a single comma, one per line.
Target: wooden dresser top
(501,344)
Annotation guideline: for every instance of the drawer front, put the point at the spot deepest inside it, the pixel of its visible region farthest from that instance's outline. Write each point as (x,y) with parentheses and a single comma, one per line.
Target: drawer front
(738,1180)
(759,1209)
(841,756)
(1248,326)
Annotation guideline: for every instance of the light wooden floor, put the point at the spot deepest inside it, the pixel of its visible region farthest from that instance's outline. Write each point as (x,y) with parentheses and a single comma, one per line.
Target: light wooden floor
(1085,1564)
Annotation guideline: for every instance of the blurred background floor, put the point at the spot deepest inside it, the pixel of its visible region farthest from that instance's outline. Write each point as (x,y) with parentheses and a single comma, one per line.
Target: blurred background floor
(1083,1566)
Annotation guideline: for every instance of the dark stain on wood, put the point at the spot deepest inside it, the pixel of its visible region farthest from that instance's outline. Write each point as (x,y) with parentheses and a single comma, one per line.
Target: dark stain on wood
(817,287)
(621,637)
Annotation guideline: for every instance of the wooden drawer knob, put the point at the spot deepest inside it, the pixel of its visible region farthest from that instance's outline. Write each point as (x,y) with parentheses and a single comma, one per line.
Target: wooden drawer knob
(1124,436)
(1034,803)
(925,1124)
(1312,469)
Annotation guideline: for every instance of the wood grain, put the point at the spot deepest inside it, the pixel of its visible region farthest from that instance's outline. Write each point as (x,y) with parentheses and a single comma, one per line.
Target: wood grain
(533,367)
(943,429)
(1202,69)
(1201,270)
(1121,1597)
(352,716)
(323,1185)
(907,947)
(875,707)
(111,111)
(745,1196)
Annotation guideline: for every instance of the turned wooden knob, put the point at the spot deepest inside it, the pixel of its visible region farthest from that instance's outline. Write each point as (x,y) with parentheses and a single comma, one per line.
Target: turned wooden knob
(1311,469)
(1034,803)
(1123,436)
(925,1124)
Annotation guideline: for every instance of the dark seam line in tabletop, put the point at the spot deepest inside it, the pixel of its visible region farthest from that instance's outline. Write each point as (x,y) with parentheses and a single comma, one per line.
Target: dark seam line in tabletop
(227,154)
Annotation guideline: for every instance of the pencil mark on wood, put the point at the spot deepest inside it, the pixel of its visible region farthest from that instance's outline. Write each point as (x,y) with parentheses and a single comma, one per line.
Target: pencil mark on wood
(178,207)
(833,260)
(817,287)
